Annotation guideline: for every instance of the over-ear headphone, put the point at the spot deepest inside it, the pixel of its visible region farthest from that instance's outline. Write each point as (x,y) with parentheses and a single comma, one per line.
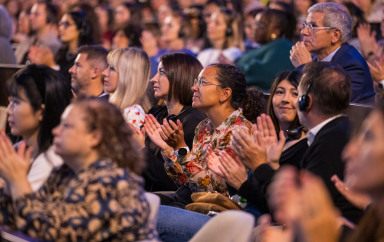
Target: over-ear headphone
(304,99)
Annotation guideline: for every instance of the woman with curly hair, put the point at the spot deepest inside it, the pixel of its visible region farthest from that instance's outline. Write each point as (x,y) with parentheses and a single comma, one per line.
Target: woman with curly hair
(96,195)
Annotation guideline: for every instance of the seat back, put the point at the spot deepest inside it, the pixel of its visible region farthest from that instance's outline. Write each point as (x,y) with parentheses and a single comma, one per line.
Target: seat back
(154,203)
(227,226)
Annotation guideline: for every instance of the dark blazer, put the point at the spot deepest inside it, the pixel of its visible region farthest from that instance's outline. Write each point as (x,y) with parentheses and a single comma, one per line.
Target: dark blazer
(356,66)
(324,159)
(254,189)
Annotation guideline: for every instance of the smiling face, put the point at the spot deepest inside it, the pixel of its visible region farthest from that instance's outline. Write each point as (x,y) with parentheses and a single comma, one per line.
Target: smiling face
(22,118)
(364,156)
(160,82)
(284,101)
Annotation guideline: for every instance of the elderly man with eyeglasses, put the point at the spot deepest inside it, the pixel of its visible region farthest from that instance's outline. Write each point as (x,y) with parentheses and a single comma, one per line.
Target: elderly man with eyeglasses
(323,38)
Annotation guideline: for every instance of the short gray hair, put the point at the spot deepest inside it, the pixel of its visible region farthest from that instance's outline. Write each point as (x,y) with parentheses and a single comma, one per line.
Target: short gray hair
(336,16)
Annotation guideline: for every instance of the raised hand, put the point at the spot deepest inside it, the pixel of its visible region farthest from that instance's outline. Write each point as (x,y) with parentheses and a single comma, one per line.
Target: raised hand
(267,138)
(266,232)
(376,67)
(301,201)
(284,195)
(319,219)
(367,40)
(250,151)
(14,166)
(232,170)
(138,135)
(213,162)
(358,199)
(153,129)
(173,134)
(299,54)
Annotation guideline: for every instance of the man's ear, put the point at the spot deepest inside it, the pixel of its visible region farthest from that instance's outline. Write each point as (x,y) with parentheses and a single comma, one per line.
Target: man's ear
(96,72)
(336,37)
(226,94)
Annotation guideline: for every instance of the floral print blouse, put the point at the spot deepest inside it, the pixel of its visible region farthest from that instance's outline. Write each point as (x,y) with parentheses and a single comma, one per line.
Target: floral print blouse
(192,169)
(134,115)
(100,203)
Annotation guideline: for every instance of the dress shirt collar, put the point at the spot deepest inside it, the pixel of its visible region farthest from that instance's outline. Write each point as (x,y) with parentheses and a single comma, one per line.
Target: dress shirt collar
(315,130)
(329,57)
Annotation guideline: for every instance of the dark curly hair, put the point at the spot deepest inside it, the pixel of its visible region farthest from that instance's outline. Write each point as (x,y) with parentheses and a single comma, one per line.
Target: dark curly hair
(117,142)
(250,100)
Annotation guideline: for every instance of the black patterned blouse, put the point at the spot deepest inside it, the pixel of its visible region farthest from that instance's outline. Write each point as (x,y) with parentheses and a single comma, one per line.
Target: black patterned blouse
(99,203)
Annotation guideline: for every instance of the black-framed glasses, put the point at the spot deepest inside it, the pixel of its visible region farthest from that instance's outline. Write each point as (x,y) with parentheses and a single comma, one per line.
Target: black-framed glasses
(201,82)
(314,28)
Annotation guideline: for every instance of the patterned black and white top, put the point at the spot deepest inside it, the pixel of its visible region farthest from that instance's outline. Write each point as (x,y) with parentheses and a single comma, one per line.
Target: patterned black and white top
(100,203)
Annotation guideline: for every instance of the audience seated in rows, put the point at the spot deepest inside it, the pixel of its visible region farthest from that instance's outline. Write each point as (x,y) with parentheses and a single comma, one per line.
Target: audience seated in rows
(306,205)
(284,144)
(220,92)
(96,195)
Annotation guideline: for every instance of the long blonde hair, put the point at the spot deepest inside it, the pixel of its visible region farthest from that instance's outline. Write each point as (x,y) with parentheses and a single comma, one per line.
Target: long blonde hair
(133,68)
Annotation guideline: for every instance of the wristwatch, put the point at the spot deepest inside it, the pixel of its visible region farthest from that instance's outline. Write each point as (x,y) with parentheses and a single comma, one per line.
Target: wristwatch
(182,151)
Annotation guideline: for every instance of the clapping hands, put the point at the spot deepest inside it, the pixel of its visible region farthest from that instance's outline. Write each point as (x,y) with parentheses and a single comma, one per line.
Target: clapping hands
(367,40)
(14,166)
(261,146)
(301,201)
(169,135)
(231,169)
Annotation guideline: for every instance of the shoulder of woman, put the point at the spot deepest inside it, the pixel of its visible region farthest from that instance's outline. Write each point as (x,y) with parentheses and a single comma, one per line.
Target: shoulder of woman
(49,157)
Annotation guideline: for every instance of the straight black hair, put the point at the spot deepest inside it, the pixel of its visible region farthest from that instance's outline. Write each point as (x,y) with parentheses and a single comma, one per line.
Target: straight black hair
(44,88)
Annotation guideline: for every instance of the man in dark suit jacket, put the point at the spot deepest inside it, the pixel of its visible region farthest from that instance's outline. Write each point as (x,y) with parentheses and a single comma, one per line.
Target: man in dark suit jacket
(324,36)
(324,93)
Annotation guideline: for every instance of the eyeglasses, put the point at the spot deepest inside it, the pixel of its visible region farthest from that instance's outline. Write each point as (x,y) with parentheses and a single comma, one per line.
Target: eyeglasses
(202,82)
(65,24)
(314,28)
